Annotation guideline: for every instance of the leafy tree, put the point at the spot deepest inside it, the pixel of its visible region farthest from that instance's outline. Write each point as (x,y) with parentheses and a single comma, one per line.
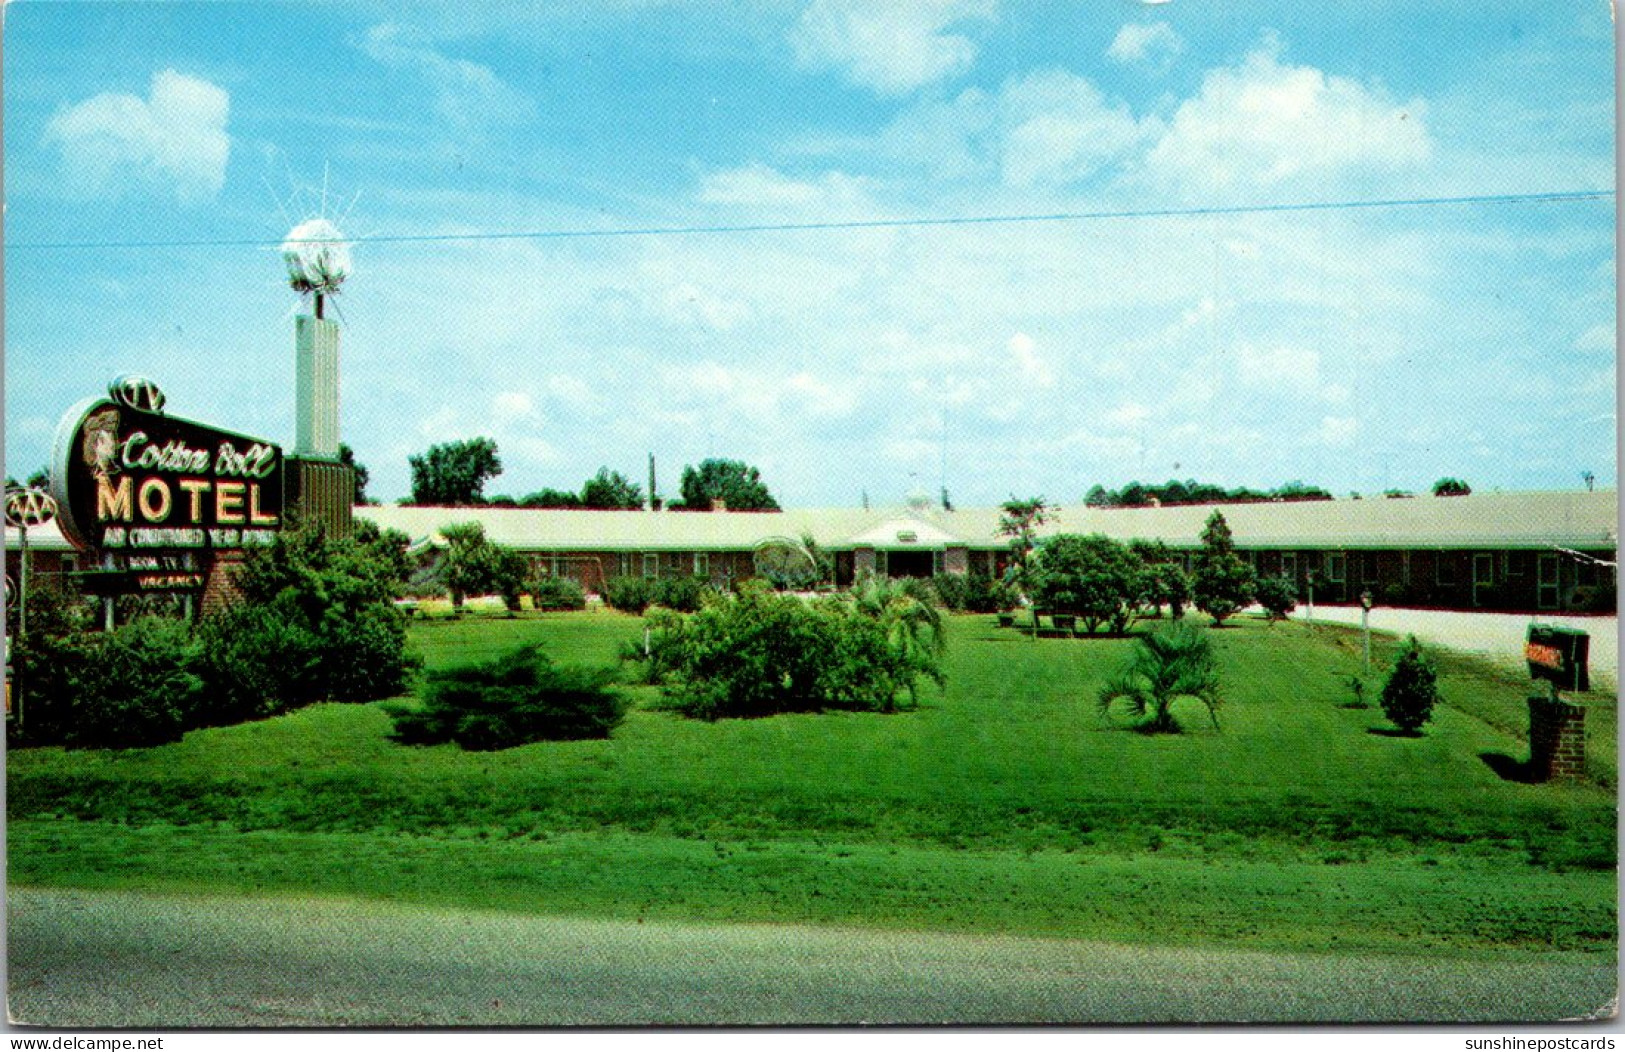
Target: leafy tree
(734,482)
(1176,661)
(1162,580)
(1020,523)
(1451,487)
(454,473)
(475,565)
(1093,577)
(611,489)
(1222,582)
(362,475)
(318,620)
(551,498)
(1277,595)
(1412,689)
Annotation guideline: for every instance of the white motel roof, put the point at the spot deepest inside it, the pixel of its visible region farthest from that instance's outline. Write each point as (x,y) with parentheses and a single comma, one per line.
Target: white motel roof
(1490,520)
(1588,521)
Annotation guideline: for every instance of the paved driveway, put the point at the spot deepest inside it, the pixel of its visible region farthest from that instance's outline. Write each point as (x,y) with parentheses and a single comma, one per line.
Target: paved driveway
(80,959)
(1498,636)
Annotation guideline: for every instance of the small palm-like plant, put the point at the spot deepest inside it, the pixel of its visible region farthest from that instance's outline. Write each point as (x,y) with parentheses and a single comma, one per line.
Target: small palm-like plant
(915,631)
(1176,661)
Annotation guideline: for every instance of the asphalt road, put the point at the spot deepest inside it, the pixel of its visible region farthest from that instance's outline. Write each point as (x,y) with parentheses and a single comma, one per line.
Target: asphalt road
(81,959)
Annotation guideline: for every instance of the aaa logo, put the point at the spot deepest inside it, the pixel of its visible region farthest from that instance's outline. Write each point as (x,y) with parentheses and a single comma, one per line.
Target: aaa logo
(29,507)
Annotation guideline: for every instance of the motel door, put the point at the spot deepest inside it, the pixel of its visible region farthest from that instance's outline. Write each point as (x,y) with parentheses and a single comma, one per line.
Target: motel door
(1546,588)
(1483,576)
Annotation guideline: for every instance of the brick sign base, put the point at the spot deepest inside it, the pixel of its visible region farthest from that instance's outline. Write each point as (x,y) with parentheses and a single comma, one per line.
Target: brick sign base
(1557,739)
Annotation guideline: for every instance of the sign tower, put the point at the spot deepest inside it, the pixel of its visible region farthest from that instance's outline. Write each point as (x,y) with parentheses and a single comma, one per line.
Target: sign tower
(320,486)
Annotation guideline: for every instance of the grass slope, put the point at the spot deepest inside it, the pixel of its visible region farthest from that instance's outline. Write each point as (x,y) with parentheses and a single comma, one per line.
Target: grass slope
(1002,804)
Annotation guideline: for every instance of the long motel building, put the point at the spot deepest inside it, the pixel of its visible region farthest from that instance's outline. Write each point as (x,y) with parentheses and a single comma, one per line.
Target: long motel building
(1552,551)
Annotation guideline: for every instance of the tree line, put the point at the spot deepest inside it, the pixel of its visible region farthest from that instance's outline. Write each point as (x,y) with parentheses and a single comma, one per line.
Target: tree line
(456,473)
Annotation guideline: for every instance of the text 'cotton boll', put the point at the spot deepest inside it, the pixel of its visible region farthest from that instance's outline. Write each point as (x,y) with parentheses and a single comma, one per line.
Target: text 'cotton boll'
(317,257)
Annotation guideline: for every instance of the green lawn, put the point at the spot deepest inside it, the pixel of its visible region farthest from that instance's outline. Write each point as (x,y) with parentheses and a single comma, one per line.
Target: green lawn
(1002,804)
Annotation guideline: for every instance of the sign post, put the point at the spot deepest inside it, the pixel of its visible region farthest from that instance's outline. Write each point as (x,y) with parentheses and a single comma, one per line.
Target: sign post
(1365,631)
(25,508)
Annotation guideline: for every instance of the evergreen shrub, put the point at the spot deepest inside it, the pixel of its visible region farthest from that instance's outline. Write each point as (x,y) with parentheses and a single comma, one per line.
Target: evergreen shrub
(1412,689)
(557,593)
(519,698)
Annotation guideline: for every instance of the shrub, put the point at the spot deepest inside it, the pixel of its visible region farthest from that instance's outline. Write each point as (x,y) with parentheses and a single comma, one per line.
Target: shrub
(139,687)
(630,595)
(519,698)
(1595,599)
(680,593)
(953,591)
(1221,583)
(761,653)
(1173,662)
(557,593)
(258,661)
(1412,689)
(135,686)
(364,655)
(1277,596)
(318,621)
(1093,577)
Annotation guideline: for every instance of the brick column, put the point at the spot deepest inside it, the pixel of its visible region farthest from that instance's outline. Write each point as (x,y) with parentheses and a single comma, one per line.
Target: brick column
(220,586)
(1556,739)
(956,560)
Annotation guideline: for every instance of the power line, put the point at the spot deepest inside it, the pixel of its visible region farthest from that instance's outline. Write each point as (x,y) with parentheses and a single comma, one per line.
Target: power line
(1551,197)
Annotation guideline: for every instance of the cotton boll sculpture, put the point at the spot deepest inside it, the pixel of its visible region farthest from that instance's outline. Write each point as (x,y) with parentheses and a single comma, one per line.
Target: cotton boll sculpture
(318,259)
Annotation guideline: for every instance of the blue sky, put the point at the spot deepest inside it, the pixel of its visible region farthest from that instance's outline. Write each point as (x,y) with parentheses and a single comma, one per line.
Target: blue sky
(1359,349)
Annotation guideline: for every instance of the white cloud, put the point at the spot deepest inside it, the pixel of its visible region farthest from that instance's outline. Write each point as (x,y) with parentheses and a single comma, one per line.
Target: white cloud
(1278,366)
(467,94)
(175,139)
(1596,338)
(1338,432)
(1031,364)
(688,304)
(890,46)
(1145,43)
(1060,128)
(760,396)
(1129,414)
(571,391)
(1262,124)
(758,185)
(509,406)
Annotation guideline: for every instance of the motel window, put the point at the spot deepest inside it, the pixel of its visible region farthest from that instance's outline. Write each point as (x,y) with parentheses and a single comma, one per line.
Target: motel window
(1520,564)
(555,565)
(1289,565)
(1444,568)
(1368,568)
(1337,567)
(623,564)
(651,564)
(702,564)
